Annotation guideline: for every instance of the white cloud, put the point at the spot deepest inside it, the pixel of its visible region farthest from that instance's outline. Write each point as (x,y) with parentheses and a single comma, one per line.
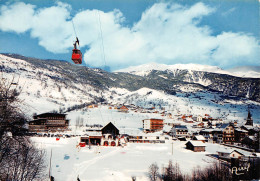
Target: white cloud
(52,28)
(166,33)
(16,17)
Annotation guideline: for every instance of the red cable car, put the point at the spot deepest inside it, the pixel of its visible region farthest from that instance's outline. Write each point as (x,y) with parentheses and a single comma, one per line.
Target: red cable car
(76,53)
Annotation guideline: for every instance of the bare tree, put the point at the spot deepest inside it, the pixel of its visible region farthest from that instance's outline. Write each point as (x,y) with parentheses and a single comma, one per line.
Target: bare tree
(172,172)
(154,172)
(19,159)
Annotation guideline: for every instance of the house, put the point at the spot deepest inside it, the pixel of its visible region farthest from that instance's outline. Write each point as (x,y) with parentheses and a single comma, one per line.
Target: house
(179,131)
(228,155)
(123,109)
(152,125)
(196,146)
(224,134)
(49,122)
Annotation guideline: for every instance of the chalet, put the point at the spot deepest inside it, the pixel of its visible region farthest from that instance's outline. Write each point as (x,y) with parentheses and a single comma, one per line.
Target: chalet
(123,109)
(49,122)
(224,134)
(228,133)
(106,136)
(179,131)
(196,146)
(235,154)
(152,125)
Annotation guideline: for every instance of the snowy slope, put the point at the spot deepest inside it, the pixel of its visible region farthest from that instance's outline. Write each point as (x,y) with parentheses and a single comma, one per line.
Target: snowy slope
(41,93)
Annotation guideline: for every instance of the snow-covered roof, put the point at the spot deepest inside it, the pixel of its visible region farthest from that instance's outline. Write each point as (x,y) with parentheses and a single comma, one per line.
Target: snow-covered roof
(167,128)
(207,130)
(200,137)
(197,143)
(237,152)
(241,130)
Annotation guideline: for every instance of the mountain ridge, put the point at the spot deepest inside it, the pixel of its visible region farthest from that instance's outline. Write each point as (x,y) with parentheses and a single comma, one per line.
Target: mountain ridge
(164,80)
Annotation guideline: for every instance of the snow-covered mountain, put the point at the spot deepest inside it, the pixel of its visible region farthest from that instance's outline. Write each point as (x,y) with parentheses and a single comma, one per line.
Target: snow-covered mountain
(243,71)
(211,77)
(146,68)
(58,85)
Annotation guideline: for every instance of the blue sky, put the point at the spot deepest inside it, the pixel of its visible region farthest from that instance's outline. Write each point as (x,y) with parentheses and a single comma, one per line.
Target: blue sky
(122,33)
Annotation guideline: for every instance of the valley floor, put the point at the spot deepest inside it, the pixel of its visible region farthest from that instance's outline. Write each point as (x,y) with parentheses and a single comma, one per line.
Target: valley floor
(118,163)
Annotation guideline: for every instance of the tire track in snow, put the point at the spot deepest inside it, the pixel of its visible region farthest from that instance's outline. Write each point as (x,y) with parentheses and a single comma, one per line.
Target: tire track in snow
(81,168)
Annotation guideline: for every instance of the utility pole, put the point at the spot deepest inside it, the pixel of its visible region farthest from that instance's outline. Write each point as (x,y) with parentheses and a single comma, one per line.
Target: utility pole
(172,147)
(51,178)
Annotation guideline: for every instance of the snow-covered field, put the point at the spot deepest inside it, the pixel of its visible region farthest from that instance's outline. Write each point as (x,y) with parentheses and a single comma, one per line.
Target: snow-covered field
(114,163)
(119,163)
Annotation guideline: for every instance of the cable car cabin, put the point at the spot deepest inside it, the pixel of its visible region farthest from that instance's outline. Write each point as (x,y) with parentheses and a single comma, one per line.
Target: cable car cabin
(76,56)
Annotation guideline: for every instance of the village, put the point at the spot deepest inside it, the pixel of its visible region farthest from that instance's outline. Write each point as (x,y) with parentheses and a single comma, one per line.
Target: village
(194,131)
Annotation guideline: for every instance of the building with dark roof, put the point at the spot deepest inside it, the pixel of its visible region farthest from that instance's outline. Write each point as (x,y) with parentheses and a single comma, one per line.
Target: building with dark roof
(49,122)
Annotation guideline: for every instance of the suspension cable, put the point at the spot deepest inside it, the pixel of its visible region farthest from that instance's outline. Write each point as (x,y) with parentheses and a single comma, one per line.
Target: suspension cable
(74,27)
(101,34)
